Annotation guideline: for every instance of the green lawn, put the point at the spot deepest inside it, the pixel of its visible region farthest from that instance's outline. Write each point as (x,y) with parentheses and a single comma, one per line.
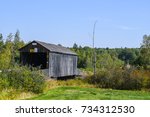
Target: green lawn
(77,93)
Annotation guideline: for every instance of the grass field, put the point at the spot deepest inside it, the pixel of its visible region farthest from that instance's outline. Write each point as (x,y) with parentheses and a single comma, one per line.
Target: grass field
(76,89)
(78,93)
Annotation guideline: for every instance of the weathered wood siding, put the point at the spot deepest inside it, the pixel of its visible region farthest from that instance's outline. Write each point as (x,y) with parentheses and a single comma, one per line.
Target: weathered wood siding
(62,65)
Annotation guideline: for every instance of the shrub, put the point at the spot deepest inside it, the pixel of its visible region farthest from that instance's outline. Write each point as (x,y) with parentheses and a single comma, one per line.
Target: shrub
(22,78)
(132,80)
(3,84)
(123,79)
(117,79)
(3,81)
(146,75)
(102,79)
(37,83)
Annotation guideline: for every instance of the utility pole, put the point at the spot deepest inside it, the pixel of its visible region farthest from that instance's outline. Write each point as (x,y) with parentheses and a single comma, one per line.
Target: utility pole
(94,52)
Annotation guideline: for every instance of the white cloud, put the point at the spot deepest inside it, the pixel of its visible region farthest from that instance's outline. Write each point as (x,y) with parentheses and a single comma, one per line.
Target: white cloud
(122,27)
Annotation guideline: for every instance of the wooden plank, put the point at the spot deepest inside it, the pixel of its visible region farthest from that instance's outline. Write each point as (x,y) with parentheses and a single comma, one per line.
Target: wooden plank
(62,65)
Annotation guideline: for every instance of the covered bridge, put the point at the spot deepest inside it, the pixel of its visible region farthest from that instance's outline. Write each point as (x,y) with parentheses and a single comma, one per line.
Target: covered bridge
(54,60)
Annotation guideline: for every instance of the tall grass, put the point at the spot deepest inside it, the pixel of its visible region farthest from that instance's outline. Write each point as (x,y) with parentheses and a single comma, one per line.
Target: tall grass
(50,84)
(11,94)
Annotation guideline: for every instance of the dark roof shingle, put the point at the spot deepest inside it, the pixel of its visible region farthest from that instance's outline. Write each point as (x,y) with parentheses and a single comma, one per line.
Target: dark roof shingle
(56,48)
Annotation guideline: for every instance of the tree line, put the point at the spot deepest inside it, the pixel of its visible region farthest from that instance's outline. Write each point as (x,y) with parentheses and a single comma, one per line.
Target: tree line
(109,57)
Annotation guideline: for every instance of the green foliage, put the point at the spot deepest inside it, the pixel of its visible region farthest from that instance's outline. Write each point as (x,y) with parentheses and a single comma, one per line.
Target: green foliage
(146,75)
(17,44)
(1,42)
(146,41)
(104,57)
(5,57)
(144,58)
(22,78)
(124,79)
(75,46)
(106,61)
(84,56)
(4,84)
(128,55)
(9,54)
(110,64)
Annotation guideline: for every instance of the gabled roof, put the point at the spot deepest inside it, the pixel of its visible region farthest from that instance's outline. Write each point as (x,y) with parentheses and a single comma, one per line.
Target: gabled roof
(55,48)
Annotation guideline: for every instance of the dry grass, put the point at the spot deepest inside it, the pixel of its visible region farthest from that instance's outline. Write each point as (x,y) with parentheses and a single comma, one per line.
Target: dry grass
(13,94)
(25,95)
(50,84)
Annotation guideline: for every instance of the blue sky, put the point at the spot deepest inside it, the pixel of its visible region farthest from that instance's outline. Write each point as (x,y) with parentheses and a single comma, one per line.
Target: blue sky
(121,23)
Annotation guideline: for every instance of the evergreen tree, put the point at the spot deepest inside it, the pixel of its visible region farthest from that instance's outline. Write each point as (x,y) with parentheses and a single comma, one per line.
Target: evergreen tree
(17,43)
(6,53)
(1,42)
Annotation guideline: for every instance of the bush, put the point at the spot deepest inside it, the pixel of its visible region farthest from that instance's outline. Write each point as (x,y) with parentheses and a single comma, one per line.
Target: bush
(102,79)
(3,84)
(22,78)
(131,80)
(146,76)
(3,81)
(127,79)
